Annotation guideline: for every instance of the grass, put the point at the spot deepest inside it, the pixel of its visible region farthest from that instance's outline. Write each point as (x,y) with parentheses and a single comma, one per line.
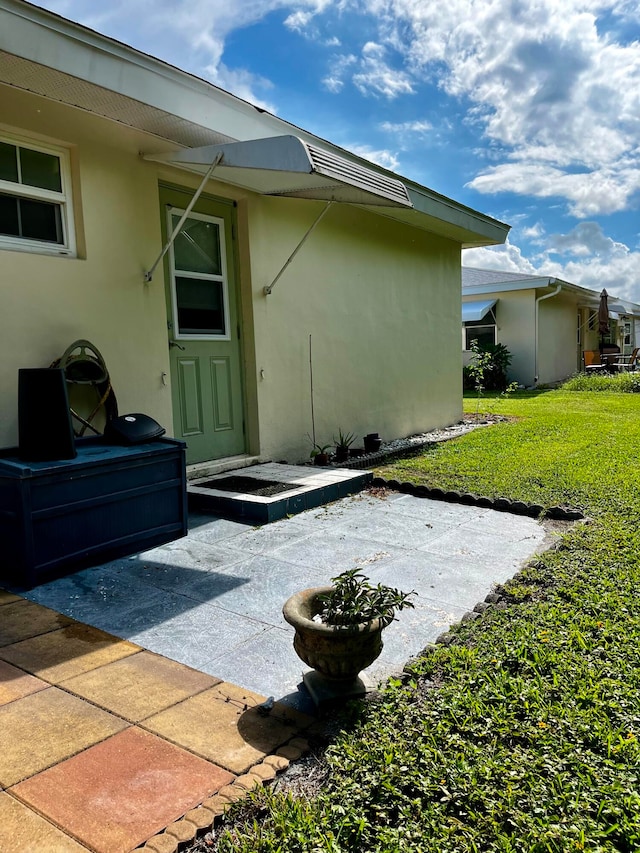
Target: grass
(563,448)
(522,733)
(628,383)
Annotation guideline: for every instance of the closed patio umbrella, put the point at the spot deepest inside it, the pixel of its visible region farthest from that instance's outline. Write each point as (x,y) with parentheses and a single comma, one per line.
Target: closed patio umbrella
(603,317)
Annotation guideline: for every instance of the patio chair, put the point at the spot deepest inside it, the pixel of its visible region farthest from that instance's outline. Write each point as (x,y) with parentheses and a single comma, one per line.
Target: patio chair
(592,360)
(628,362)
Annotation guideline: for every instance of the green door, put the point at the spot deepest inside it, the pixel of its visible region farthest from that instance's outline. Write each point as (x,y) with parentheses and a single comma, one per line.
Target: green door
(202,311)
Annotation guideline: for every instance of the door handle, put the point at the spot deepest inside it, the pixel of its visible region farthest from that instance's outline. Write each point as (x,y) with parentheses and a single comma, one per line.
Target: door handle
(175,344)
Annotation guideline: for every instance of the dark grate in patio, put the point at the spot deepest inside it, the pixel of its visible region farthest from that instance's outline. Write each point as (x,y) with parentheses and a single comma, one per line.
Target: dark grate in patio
(249,486)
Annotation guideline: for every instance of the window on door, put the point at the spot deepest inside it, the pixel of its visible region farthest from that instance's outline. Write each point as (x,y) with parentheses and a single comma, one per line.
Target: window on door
(199,277)
(35,198)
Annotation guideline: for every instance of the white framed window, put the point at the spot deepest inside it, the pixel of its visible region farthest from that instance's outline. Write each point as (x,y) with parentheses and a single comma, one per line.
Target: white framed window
(482,331)
(199,281)
(36,211)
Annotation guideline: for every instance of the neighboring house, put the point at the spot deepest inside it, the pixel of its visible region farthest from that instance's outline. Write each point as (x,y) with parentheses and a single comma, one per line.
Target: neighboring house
(102,149)
(545,323)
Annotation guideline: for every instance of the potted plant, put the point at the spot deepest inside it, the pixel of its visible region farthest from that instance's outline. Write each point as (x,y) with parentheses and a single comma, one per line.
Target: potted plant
(319,454)
(339,631)
(372,442)
(343,443)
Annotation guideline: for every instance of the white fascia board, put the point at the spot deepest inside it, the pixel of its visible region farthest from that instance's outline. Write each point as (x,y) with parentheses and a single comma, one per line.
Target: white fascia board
(589,298)
(487,231)
(506,286)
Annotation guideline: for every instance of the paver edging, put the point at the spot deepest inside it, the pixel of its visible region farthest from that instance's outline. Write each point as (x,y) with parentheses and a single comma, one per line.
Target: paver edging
(501,504)
(203,818)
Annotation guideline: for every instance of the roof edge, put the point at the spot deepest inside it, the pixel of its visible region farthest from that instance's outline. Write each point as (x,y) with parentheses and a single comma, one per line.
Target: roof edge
(477,228)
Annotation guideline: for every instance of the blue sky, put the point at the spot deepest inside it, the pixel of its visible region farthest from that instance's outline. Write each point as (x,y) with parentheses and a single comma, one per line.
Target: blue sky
(528,110)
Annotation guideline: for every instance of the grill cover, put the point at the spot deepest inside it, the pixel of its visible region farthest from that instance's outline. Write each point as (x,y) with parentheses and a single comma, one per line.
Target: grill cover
(132,429)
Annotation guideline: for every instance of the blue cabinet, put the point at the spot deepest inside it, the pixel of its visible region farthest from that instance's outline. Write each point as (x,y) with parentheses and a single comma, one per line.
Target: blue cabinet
(110,501)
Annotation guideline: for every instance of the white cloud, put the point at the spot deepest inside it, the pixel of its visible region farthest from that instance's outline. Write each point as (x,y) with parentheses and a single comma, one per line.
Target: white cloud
(301,18)
(507,258)
(193,32)
(242,83)
(377,77)
(407,127)
(333,84)
(534,233)
(600,191)
(340,66)
(594,261)
(546,82)
(620,274)
(382,157)
(586,239)
(303,22)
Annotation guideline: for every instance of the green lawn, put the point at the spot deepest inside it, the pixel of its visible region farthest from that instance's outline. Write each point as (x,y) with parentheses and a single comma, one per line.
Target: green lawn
(522,734)
(565,447)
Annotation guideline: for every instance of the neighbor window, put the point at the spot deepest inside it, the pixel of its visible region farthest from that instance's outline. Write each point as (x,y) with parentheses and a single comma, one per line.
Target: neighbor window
(35,201)
(482,331)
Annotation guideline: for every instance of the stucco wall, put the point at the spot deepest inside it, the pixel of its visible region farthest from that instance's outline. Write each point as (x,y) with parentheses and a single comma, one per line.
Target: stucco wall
(381,304)
(557,330)
(381,301)
(515,317)
(557,347)
(48,302)
(516,330)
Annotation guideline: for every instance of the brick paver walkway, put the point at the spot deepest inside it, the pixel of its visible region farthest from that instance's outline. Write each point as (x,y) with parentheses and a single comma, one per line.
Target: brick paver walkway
(107,747)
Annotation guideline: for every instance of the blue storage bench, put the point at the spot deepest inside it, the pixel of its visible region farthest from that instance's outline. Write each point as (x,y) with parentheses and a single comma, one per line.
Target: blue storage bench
(110,501)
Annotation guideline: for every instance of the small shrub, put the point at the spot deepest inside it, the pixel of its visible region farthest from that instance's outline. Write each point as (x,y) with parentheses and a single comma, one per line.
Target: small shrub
(488,368)
(354,601)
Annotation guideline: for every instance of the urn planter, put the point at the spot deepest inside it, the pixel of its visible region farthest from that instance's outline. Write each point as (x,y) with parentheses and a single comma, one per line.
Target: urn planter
(336,653)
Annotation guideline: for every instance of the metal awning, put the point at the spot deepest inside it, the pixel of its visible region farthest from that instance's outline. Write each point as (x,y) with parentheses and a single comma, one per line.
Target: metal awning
(474,311)
(616,309)
(288,166)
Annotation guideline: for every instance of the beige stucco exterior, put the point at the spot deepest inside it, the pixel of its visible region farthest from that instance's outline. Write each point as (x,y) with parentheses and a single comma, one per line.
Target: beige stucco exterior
(373,293)
(546,329)
(365,289)
(100,296)
(380,299)
(556,355)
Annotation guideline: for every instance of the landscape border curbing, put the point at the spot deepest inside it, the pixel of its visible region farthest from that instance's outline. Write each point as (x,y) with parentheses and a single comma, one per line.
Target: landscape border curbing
(202,819)
(557,513)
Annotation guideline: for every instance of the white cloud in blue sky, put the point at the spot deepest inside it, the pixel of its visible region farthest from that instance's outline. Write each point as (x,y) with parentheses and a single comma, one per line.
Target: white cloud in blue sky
(527,111)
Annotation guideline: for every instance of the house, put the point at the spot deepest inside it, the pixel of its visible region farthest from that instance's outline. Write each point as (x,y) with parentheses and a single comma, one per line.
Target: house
(217,256)
(544,322)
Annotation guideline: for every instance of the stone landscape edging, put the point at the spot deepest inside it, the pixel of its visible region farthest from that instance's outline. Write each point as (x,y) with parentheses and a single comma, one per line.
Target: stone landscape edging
(558,513)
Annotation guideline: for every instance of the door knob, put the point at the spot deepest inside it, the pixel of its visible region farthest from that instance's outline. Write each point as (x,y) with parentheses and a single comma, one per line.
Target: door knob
(175,344)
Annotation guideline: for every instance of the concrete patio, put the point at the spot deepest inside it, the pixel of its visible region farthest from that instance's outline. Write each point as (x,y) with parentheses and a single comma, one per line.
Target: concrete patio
(142,717)
(213,599)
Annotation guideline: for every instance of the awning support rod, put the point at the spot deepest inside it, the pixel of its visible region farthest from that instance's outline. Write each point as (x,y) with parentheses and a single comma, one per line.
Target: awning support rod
(148,276)
(267,290)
